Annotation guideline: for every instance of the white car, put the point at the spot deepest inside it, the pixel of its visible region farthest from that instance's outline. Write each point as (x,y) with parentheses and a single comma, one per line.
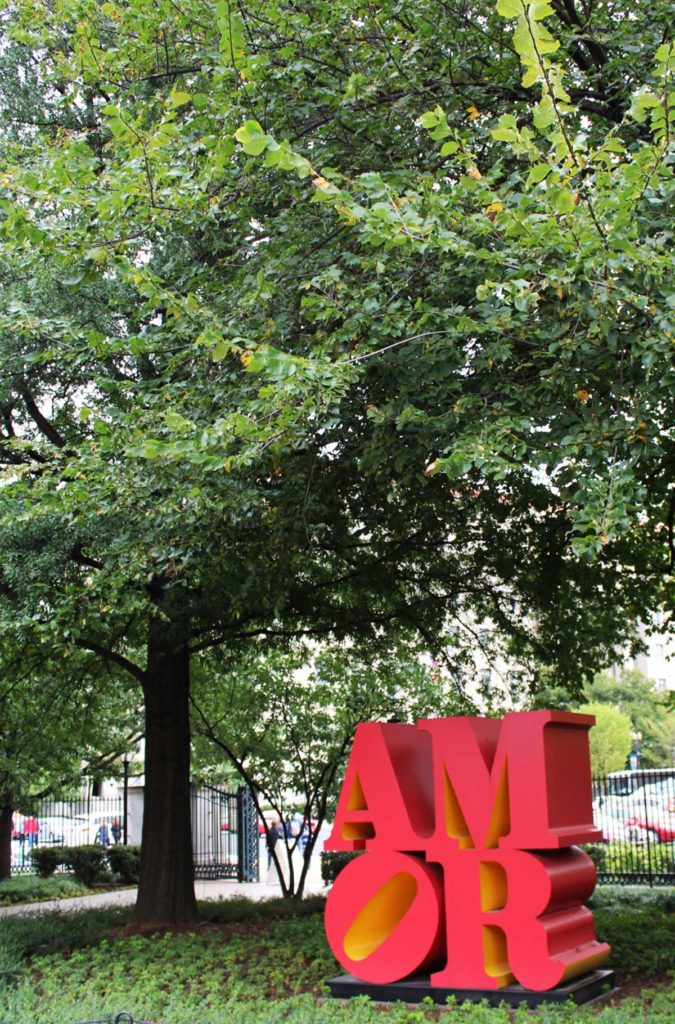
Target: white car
(613,815)
(54,830)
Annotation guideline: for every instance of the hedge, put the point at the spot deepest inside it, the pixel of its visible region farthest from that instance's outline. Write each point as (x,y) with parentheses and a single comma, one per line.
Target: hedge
(89,863)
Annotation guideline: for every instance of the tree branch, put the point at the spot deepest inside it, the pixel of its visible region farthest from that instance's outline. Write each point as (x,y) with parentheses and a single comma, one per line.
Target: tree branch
(40,420)
(113,656)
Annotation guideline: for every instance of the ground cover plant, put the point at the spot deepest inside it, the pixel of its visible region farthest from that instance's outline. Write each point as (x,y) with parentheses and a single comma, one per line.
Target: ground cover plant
(268,962)
(31,889)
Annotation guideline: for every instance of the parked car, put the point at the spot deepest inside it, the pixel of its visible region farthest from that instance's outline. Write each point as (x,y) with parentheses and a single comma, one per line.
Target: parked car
(54,830)
(652,814)
(625,783)
(659,793)
(615,815)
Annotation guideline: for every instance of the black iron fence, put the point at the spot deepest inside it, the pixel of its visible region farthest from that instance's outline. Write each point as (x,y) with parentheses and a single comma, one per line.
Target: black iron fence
(224,829)
(85,821)
(636,812)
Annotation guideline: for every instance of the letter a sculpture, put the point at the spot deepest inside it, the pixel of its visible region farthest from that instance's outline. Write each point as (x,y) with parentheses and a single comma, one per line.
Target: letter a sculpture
(470,878)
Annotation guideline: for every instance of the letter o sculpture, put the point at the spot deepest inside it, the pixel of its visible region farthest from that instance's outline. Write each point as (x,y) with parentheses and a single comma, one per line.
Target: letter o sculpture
(384,917)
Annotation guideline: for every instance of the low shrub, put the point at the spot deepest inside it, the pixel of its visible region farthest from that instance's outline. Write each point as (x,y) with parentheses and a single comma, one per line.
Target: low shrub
(125,863)
(239,909)
(46,859)
(632,858)
(642,938)
(88,863)
(333,863)
(31,889)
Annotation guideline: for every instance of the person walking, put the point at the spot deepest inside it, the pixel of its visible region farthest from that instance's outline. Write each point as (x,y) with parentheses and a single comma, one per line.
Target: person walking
(30,830)
(103,834)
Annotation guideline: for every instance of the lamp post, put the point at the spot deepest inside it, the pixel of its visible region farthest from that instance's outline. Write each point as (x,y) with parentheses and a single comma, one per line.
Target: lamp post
(125,804)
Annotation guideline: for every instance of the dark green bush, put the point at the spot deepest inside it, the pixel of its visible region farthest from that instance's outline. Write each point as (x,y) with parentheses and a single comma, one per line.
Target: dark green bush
(46,859)
(642,938)
(333,863)
(125,863)
(233,909)
(31,889)
(87,863)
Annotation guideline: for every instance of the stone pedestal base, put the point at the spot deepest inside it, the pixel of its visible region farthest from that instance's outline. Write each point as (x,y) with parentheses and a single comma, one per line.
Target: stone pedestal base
(414,990)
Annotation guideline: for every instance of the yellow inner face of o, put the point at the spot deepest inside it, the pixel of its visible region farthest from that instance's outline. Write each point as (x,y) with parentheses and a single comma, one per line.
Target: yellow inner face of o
(380,916)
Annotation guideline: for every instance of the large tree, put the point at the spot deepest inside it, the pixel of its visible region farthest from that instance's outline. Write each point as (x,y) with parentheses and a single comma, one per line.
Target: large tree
(276,363)
(60,720)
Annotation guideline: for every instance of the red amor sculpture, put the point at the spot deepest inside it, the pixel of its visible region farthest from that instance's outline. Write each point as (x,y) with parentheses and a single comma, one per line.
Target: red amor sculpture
(470,870)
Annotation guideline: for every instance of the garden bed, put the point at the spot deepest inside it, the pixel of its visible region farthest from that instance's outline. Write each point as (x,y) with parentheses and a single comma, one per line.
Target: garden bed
(263,963)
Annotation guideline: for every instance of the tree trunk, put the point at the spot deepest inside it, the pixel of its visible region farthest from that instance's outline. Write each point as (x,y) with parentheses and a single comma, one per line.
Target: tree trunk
(6,812)
(166,893)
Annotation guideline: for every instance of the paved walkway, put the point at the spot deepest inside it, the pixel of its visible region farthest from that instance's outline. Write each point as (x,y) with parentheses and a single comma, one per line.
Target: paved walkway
(219,889)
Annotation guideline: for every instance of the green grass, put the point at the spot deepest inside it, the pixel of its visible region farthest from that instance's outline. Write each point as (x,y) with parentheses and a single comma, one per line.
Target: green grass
(31,889)
(252,963)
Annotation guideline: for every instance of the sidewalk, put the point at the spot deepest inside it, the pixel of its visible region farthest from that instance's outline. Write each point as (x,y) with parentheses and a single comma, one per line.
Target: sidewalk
(217,889)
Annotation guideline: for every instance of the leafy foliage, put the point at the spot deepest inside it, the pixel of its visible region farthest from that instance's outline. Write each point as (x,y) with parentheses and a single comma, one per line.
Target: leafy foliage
(610,738)
(632,857)
(264,969)
(46,859)
(333,863)
(124,863)
(88,863)
(638,697)
(28,889)
(286,720)
(303,338)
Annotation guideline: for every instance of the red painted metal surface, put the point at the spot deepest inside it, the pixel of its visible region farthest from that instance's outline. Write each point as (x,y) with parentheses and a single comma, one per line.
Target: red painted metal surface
(470,869)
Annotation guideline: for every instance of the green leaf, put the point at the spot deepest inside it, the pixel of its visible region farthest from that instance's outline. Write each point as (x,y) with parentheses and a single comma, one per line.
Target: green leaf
(510,8)
(429,119)
(221,350)
(448,148)
(252,137)
(538,173)
(178,98)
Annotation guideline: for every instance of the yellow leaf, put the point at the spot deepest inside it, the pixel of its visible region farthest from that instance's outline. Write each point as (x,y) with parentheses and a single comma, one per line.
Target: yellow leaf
(246,358)
(473,112)
(474,173)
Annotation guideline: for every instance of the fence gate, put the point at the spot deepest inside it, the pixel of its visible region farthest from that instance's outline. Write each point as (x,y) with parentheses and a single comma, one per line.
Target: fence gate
(224,834)
(248,835)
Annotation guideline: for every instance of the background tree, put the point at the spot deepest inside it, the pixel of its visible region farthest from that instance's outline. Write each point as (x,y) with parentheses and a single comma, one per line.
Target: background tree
(285,722)
(637,696)
(610,738)
(243,398)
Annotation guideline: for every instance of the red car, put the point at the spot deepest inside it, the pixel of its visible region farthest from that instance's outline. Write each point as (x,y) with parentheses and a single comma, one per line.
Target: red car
(654,814)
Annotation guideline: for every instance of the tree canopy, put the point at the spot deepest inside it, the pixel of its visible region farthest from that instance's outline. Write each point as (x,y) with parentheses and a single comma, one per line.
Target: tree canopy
(652,720)
(610,737)
(321,318)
